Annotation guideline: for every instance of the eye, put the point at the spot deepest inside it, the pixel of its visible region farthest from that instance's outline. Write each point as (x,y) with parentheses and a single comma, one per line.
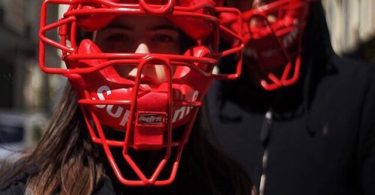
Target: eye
(165,38)
(112,36)
(116,37)
(114,40)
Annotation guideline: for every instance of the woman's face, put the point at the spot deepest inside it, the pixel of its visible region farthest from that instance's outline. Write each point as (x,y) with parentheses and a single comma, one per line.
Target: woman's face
(140,34)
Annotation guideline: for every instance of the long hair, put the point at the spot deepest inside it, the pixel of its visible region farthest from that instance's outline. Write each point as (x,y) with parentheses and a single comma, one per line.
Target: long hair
(64,154)
(69,163)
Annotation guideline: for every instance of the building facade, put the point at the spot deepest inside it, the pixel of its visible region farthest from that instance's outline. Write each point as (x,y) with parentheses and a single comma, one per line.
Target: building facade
(22,85)
(351,23)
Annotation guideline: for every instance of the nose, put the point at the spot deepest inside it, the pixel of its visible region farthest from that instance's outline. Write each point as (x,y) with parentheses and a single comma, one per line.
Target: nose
(257,3)
(153,71)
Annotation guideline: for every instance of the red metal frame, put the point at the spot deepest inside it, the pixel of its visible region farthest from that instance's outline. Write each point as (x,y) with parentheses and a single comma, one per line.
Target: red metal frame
(277,29)
(134,9)
(67,29)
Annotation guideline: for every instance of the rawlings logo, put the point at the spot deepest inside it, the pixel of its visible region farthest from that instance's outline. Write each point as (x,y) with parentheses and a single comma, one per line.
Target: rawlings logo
(119,112)
(150,119)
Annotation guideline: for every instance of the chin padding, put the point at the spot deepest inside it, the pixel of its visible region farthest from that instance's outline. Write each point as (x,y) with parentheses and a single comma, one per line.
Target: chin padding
(82,81)
(200,51)
(151,121)
(196,79)
(88,47)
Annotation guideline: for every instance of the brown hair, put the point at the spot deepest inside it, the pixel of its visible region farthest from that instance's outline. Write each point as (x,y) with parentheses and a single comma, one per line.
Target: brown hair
(66,153)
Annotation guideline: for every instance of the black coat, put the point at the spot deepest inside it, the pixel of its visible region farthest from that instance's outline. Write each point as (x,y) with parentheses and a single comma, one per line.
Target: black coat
(196,175)
(319,138)
(106,187)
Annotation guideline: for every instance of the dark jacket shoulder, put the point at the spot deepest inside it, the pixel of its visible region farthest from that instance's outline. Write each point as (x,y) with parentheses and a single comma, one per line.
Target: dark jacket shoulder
(15,188)
(13,177)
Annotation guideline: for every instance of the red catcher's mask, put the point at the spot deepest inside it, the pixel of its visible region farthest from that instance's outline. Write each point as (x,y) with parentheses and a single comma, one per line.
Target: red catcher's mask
(272,31)
(151,116)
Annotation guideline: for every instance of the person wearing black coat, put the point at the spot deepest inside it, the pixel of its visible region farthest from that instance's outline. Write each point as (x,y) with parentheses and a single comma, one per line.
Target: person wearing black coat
(314,137)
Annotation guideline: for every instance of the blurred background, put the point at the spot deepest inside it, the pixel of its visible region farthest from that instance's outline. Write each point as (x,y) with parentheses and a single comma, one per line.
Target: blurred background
(27,96)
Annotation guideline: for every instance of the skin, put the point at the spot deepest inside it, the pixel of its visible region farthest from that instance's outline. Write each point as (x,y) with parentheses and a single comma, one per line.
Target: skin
(140,34)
